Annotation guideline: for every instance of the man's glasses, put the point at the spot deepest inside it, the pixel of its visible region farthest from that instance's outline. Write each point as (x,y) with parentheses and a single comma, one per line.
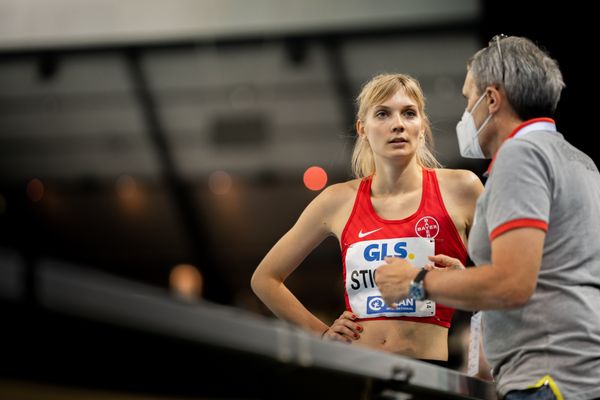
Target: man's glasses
(496,39)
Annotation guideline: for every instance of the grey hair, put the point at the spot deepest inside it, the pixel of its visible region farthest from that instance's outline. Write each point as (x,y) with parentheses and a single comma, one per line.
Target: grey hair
(531,79)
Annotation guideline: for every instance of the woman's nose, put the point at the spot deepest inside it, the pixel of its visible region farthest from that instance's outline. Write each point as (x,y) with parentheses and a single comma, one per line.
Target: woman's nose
(397,123)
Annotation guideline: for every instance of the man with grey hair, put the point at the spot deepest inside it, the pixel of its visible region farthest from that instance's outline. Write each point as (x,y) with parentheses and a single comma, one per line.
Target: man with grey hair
(535,235)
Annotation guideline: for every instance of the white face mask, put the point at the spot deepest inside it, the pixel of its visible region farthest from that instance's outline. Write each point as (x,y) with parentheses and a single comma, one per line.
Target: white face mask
(468,134)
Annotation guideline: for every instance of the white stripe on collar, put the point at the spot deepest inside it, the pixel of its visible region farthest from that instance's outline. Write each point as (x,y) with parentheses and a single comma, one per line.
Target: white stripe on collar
(537,126)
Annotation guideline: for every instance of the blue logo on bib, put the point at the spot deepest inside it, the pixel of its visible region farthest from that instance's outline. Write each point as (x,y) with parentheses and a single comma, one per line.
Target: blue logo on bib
(376,305)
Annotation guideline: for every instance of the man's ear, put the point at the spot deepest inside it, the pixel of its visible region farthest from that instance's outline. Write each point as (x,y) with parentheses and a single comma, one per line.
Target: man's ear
(494,99)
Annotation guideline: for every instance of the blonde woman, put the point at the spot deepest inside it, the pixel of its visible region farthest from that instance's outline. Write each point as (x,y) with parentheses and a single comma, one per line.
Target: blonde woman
(401,204)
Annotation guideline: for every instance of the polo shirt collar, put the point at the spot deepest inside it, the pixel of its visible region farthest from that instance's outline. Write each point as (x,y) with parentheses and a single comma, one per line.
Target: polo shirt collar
(535,124)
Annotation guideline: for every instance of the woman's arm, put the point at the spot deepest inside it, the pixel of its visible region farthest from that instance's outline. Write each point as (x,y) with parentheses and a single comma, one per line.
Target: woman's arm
(460,190)
(312,227)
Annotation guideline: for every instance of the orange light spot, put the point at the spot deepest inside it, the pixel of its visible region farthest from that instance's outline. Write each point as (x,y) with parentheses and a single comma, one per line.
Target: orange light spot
(35,190)
(186,281)
(126,187)
(219,182)
(315,178)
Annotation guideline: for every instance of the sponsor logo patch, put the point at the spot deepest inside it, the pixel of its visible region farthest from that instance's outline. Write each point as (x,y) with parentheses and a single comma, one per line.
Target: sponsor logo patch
(376,305)
(427,227)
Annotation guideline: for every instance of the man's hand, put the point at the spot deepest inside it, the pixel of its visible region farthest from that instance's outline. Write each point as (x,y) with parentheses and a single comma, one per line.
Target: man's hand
(447,263)
(393,279)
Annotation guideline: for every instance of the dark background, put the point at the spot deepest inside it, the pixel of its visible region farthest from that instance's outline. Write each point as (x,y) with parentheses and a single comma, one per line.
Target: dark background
(176,218)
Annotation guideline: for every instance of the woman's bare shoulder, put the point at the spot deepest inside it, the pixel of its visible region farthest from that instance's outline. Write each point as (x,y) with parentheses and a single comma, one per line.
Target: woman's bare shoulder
(460,182)
(339,193)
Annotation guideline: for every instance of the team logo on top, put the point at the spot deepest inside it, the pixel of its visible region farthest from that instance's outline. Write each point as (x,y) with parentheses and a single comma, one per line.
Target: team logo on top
(427,227)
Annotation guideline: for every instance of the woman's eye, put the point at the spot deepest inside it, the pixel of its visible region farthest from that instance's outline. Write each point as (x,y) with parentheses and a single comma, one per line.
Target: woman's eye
(380,114)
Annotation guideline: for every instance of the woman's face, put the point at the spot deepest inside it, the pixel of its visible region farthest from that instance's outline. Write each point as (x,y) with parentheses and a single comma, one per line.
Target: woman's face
(394,127)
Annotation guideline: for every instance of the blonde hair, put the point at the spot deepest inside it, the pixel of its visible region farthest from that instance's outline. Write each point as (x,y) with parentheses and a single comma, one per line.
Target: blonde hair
(376,91)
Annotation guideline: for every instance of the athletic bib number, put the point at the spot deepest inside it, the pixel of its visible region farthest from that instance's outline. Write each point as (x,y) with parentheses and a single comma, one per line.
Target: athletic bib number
(362,258)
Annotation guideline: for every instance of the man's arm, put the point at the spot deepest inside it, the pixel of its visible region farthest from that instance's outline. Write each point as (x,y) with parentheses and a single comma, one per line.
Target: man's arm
(508,282)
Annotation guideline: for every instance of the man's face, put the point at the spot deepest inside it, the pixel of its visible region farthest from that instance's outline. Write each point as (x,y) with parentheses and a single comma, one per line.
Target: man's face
(470,92)
(478,107)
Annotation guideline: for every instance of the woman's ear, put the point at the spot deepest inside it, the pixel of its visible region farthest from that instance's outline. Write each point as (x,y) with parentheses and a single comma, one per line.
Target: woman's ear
(360,129)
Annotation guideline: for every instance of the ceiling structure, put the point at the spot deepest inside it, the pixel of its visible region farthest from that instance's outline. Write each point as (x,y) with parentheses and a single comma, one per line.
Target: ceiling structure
(34,24)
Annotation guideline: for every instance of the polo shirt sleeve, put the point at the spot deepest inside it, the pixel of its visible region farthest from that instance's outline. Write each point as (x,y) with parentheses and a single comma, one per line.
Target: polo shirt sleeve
(520,188)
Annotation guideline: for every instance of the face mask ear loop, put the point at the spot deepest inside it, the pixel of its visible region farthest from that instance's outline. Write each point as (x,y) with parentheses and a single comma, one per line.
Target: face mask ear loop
(484,122)
(477,102)
(476,137)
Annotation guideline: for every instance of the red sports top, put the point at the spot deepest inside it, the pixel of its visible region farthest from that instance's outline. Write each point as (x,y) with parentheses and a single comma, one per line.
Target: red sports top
(368,238)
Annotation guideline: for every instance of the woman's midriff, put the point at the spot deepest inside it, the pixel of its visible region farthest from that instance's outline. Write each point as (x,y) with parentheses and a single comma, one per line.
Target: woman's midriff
(412,339)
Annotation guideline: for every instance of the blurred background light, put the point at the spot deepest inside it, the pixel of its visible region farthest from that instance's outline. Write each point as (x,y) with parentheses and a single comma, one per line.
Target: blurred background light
(186,282)
(126,187)
(315,178)
(220,183)
(35,190)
